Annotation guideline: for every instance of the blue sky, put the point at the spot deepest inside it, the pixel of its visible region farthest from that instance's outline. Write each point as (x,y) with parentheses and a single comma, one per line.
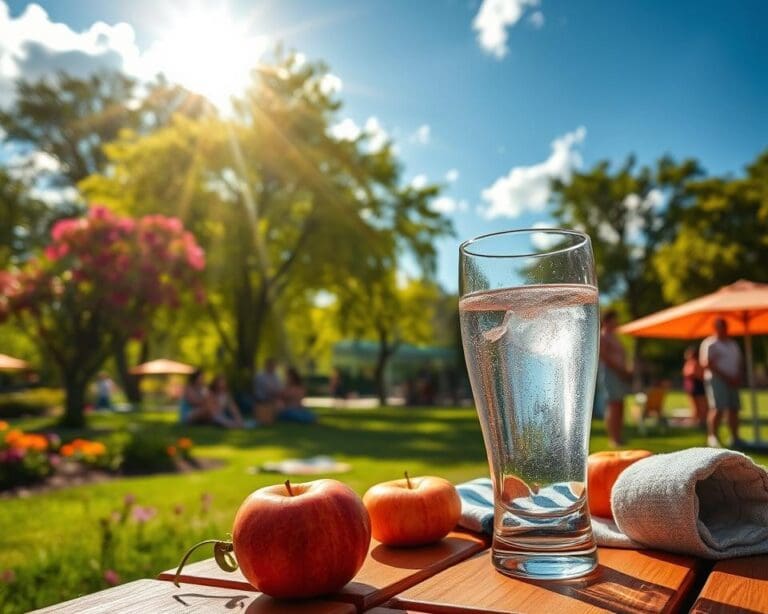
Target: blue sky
(596,79)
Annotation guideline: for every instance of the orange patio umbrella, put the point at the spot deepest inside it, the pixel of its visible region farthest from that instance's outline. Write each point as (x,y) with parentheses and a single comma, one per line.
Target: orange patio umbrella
(9,363)
(743,304)
(162,366)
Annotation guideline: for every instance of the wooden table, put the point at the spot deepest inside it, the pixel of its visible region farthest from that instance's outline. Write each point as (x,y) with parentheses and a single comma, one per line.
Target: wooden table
(455,576)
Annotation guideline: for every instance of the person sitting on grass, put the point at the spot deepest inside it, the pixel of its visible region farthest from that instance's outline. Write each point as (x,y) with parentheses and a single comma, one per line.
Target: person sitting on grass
(292,397)
(195,406)
(266,391)
(224,411)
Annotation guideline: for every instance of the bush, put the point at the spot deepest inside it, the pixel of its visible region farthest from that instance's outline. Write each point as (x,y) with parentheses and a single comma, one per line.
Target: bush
(24,458)
(33,401)
(145,452)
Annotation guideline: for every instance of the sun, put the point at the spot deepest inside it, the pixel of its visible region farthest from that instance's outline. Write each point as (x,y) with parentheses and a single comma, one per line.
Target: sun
(209,52)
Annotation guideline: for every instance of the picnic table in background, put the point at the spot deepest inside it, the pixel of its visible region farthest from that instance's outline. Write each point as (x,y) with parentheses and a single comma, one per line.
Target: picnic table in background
(456,576)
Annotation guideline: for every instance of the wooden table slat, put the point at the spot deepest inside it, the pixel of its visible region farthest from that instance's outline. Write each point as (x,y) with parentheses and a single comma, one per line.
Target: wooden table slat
(625,581)
(736,585)
(156,597)
(386,571)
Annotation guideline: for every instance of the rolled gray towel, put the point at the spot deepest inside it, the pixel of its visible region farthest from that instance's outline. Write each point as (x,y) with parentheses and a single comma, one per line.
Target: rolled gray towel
(704,502)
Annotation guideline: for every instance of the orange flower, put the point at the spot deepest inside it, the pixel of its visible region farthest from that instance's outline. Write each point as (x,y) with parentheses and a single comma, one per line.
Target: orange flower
(34,442)
(67,449)
(185,443)
(14,437)
(3,425)
(95,448)
(171,450)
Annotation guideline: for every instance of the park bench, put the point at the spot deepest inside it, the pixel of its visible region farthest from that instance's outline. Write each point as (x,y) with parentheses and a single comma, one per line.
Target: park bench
(455,576)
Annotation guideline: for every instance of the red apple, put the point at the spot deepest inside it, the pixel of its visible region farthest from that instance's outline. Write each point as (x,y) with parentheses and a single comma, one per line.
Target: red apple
(413,511)
(301,540)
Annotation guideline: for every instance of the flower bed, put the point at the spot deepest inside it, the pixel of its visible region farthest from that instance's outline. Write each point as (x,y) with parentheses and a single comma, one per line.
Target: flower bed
(29,459)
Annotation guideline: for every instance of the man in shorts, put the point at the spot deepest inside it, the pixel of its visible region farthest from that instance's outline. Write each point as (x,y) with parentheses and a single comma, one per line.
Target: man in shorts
(721,358)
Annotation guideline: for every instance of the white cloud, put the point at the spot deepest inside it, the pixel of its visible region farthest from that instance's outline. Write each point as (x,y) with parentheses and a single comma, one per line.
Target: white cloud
(55,196)
(635,207)
(544,240)
(421,136)
(345,130)
(536,20)
(527,188)
(330,84)
(34,47)
(446,204)
(419,181)
(452,175)
(348,130)
(492,21)
(377,136)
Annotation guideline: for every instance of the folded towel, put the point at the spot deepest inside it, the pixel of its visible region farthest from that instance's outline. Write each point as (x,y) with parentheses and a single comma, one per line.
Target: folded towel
(704,502)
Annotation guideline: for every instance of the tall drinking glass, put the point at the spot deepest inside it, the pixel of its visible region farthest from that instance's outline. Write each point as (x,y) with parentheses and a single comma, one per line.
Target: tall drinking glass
(529,325)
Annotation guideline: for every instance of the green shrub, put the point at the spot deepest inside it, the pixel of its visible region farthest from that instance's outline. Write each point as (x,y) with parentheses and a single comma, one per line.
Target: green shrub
(146,452)
(30,402)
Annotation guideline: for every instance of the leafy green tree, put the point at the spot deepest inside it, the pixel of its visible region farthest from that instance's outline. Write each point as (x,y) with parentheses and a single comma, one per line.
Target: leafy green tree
(628,213)
(277,200)
(71,119)
(24,221)
(722,237)
(379,308)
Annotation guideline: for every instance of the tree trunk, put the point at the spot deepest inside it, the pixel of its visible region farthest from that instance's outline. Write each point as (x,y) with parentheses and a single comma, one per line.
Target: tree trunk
(128,381)
(74,406)
(385,353)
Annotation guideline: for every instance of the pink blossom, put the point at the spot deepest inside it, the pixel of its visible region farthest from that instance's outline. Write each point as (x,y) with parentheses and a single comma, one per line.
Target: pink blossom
(129,499)
(144,514)
(8,576)
(111,577)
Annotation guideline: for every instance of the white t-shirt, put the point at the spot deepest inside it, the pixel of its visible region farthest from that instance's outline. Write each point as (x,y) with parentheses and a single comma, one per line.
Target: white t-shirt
(724,353)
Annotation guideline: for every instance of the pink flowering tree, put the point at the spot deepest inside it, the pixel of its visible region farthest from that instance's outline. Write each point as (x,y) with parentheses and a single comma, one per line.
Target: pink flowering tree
(98,283)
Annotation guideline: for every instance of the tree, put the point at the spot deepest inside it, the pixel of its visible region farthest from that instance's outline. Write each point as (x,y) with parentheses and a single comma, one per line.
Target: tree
(723,236)
(99,281)
(390,313)
(277,200)
(629,213)
(70,119)
(24,221)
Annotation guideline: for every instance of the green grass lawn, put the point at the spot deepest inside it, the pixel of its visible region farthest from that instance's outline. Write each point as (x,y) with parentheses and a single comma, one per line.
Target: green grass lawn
(58,544)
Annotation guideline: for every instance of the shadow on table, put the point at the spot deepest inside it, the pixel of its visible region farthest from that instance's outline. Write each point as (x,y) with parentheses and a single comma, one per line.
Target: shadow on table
(250,604)
(232,602)
(709,606)
(421,557)
(614,591)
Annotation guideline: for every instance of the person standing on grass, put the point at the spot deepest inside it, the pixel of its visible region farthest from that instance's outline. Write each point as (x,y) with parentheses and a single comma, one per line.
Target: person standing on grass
(721,358)
(693,383)
(615,377)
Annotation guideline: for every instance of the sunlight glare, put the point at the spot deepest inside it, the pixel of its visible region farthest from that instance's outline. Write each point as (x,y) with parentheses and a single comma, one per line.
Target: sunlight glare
(209,53)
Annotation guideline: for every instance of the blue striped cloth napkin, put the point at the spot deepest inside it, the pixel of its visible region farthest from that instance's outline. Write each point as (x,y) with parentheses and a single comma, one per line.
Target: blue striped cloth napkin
(477,503)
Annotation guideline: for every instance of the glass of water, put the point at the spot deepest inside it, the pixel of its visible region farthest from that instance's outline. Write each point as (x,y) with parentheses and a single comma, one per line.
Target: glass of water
(529,326)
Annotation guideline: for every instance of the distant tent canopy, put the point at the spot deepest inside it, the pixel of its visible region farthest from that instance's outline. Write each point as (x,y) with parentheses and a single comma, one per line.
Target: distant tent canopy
(163,366)
(9,363)
(354,354)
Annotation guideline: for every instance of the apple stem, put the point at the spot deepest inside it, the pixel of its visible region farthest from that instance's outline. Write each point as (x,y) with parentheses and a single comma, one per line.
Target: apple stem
(408,480)
(288,486)
(222,552)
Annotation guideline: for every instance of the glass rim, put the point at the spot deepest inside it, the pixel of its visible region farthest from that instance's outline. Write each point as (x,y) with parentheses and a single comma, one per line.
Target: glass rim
(584,240)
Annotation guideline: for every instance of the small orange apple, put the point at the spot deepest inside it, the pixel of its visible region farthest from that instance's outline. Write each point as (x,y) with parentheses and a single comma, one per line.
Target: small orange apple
(412,511)
(603,469)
